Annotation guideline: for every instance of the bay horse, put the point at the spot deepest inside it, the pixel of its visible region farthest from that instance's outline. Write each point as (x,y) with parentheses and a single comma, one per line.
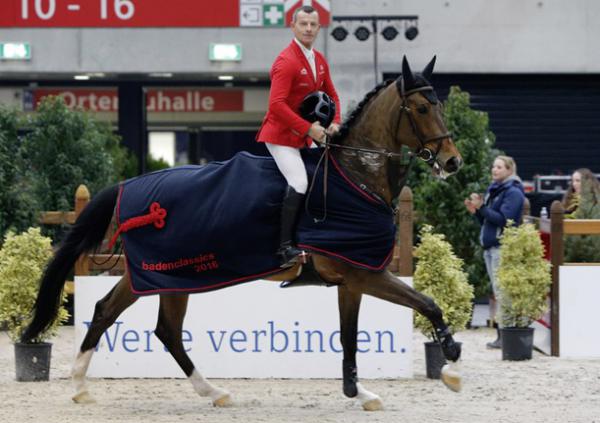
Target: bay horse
(395,115)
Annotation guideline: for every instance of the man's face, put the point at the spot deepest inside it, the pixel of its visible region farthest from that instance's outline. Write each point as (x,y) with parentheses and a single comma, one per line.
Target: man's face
(306,27)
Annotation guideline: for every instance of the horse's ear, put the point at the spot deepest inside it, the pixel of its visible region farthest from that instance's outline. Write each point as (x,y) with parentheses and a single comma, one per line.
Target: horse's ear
(407,75)
(429,69)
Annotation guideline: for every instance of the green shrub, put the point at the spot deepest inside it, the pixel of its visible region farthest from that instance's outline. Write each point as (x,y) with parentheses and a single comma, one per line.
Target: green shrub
(440,203)
(523,276)
(22,261)
(66,148)
(439,275)
(153,164)
(18,206)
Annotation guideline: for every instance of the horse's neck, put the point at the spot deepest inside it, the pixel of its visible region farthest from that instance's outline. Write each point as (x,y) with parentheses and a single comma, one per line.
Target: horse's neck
(372,131)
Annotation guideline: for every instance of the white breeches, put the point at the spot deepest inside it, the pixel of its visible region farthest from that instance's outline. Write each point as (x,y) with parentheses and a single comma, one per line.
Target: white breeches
(290,165)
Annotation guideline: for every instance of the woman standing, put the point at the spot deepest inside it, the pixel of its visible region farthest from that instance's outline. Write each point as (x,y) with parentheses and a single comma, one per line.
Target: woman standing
(503,201)
(583,182)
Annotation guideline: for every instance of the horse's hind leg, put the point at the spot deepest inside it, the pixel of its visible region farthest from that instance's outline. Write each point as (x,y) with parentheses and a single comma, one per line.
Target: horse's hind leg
(106,312)
(168,330)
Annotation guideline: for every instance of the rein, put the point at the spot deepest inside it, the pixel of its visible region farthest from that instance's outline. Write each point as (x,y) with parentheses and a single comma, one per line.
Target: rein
(389,154)
(424,153)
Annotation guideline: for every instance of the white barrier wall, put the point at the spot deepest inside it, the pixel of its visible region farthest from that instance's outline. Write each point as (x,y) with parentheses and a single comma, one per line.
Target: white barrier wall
(578,304)
(254,330)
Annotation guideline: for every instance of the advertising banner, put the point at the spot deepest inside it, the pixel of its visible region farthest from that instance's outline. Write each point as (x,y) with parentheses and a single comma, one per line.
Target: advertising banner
(578,301)
(253,330)
(158,100)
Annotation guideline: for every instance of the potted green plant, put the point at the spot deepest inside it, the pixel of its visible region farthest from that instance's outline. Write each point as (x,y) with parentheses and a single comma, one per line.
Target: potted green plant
(524,279)
(22,261)
(439,274)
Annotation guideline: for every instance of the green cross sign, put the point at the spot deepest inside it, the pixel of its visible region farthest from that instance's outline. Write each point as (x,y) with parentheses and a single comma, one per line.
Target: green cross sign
(273,15)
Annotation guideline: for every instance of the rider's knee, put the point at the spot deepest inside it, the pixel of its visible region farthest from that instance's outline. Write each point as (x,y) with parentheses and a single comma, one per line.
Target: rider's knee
(299,183)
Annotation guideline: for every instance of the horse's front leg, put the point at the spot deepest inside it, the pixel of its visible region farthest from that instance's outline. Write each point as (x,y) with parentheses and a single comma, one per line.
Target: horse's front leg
(386,286)
(349,304)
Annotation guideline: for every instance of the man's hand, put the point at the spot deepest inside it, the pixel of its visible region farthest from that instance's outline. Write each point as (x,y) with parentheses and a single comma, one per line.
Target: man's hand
(333,129)
(317,132)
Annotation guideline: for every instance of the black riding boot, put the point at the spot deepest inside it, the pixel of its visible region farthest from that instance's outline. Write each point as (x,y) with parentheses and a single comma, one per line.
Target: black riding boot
(289,214)
(498,342)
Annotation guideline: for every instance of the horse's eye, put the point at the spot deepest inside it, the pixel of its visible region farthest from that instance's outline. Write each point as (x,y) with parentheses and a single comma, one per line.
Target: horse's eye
(422,109)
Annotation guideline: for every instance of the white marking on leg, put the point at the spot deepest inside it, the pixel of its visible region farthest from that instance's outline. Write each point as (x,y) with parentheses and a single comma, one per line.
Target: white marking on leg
(368,400)
(204,388)
(80,367)
(451,376)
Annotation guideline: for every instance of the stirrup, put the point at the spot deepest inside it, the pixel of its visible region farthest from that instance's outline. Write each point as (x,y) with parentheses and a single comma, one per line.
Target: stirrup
(290,255)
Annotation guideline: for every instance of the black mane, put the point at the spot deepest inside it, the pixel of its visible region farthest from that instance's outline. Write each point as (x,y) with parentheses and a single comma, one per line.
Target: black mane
(420,81)
(351,119)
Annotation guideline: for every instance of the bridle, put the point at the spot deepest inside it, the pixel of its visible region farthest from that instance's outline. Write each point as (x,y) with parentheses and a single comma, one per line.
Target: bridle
(423,152)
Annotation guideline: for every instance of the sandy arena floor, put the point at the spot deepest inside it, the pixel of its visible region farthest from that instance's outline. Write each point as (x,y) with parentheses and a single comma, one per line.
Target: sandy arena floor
(545,389)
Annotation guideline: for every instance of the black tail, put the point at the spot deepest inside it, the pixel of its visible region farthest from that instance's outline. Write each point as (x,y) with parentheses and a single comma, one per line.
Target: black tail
(87,233)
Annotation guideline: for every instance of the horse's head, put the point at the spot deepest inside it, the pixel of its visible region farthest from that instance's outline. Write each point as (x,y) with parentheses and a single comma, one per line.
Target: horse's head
(427,135)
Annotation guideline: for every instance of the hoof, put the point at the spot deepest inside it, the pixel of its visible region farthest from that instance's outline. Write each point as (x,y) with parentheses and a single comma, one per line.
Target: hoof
(368,400)
(373,405)
(223,401)
(83,397)
(451,377)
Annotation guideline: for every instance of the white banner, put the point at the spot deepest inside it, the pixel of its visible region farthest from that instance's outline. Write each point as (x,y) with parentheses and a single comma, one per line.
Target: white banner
(578,302)
(253,330)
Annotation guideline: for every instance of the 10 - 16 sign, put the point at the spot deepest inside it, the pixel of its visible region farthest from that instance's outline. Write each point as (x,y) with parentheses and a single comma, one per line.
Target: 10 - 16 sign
(153,13)
(119,13)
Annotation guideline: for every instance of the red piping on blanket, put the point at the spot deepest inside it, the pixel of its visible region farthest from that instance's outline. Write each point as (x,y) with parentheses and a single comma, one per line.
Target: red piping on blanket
(156,216)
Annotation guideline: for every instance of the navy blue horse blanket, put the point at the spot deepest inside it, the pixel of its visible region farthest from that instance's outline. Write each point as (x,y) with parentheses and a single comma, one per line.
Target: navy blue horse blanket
(201,228)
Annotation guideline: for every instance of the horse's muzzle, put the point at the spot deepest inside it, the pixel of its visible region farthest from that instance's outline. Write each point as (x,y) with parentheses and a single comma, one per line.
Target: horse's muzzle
(453,164)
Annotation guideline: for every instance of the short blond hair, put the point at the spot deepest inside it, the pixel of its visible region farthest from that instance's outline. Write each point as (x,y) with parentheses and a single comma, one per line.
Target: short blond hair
(509,162)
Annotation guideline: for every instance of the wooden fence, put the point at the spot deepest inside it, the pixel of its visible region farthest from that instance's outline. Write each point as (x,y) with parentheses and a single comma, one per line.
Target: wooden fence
(554,228)
(557,227)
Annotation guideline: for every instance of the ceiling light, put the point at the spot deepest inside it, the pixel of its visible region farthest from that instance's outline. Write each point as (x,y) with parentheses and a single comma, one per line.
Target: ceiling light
(339,33)
(225,77)
(81,77)
(160,75)
(362,33)
(389,33)
(411,33)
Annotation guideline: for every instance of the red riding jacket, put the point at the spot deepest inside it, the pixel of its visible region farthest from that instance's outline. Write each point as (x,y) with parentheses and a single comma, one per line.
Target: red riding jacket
(292,80)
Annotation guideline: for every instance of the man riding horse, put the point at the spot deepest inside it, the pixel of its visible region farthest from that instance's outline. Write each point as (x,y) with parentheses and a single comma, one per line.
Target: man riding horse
(298,71)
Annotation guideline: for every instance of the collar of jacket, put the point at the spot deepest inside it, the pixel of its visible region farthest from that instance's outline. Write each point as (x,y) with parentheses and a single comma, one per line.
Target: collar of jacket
(300,55)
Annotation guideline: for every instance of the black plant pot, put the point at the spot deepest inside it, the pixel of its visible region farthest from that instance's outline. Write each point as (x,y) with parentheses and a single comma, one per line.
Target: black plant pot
(32,361)
(517,343)
(434,360)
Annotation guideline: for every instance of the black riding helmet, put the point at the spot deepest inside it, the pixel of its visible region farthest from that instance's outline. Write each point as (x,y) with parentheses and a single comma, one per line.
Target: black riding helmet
(318,106)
